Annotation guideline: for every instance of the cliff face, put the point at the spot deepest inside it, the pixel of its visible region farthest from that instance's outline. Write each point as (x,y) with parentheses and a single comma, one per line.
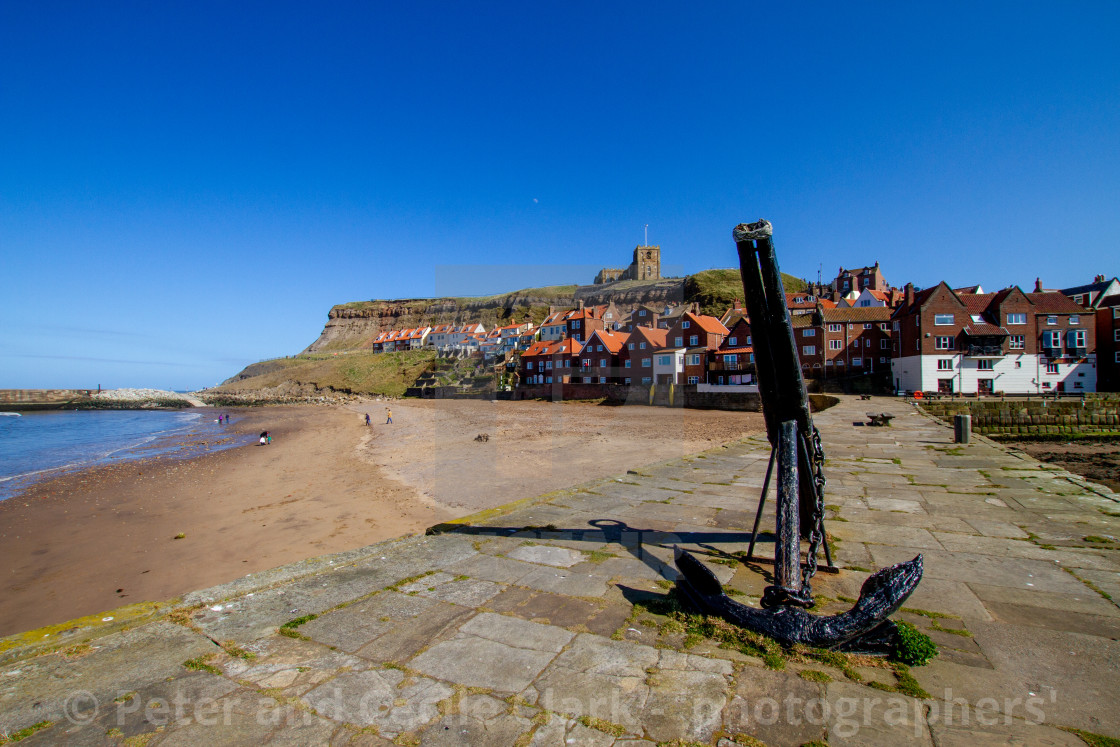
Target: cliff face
(354,326)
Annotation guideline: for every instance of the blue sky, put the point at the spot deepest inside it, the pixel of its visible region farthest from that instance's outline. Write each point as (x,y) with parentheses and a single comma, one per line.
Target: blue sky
(189,187)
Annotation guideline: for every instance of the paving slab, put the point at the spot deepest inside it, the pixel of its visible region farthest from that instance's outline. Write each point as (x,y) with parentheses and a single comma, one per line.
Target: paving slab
(506,630)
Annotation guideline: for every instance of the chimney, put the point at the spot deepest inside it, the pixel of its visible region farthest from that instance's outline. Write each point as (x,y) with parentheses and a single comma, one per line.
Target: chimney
(909,294)
(1038,285)
(581,304)
(1098,279)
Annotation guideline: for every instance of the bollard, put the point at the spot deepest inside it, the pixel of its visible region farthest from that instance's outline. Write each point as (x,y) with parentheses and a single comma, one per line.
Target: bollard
(962,428)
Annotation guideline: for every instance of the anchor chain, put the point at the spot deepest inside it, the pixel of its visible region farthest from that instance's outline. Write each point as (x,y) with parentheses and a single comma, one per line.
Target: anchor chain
(816,535)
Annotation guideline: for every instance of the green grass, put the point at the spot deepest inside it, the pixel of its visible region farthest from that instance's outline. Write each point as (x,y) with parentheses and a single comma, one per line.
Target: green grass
(716,290)
(201,664)
(19,736)
(1091,739)
(387,374)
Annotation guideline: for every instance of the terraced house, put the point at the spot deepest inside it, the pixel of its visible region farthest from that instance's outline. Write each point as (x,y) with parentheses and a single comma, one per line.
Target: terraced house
(983,343)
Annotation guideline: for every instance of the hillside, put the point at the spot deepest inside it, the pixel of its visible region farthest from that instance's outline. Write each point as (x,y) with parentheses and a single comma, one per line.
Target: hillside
(339,360)
(387,374)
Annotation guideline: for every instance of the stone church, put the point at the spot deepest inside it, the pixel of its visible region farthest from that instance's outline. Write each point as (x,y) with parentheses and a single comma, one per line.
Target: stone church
(646,266)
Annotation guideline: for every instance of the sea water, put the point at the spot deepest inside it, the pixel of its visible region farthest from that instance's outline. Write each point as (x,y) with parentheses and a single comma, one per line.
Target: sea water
(39,445)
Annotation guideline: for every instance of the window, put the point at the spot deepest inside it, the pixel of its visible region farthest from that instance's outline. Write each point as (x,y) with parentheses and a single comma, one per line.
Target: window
(943,343)
(547,380)
(855,343)
(1051,368)
(1117,354)
(984,364)
(1074,319)
(884,344)
(808,333)
(882,360)
(599,348)
(529,365)
(835,344)
(602,363)
(944,364)
(868,325)
(1078,385)
(857,361)
(626,380)
(548,365)
(1017,342)
(942,319)
(1116,335)
(1077,338)
(586,363)
(730,358)
(721,380)
(693,379)
(629,346)
(641,346)
(626,363)
(1016,318)
(664,360)
(809,350)
(694,340)
(694,359)
(608,315)
(678,341)
(646,379)
(1051,320)
(894,326)
(646,362)
(834,328)
(685,324)
(748,342)
(1052,340)
(575,324)
(733,341)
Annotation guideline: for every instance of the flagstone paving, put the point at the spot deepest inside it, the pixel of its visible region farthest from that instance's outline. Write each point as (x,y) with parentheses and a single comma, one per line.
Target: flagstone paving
(552,623)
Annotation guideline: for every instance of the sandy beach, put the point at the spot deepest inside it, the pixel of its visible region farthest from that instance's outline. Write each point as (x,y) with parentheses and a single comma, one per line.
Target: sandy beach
(95,540)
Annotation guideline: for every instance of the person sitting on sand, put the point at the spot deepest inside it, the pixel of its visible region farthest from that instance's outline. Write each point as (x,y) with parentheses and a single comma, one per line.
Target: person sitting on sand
(264,438)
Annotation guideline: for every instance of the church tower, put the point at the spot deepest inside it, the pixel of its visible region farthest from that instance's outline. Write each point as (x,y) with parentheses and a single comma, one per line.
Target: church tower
(647,263)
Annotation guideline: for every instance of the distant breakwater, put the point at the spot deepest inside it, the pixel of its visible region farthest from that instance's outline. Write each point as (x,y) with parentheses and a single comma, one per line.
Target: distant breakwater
(93,399)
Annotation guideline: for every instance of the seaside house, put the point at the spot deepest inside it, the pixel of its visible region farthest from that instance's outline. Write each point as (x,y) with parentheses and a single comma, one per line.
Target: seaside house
(693,330)
(548,362)
(981,343)
(668,366)
(637,365)
(555,325)
(599,357)
(846,340)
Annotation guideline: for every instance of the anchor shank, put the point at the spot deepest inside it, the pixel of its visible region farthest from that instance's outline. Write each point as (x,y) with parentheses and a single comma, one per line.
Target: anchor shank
(787,549)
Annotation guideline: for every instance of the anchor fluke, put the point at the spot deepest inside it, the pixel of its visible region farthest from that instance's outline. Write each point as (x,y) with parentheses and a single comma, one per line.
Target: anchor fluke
(865,627)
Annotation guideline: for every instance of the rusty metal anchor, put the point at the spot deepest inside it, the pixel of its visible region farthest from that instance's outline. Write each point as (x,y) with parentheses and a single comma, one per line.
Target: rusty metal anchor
(796,449)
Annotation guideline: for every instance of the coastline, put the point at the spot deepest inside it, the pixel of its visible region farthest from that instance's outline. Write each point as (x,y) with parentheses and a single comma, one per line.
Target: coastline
(99,539)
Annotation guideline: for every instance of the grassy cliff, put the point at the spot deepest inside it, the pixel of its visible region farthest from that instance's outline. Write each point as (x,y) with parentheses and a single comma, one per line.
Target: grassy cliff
(355,373)
(715,290)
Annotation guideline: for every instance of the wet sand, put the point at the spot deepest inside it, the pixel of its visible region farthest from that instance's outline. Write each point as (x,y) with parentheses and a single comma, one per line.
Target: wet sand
(1098,461)
(95,540)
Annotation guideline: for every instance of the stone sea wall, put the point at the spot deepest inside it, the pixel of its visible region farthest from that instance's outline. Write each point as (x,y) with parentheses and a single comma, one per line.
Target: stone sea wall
(1018,418)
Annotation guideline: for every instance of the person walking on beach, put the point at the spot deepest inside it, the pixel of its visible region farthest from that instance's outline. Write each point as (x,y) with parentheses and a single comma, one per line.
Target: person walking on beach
(390,413)
(367,418)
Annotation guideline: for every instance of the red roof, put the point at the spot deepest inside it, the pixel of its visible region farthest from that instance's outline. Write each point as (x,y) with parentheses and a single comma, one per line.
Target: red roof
(612,341)
(657,338)
(709,324)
